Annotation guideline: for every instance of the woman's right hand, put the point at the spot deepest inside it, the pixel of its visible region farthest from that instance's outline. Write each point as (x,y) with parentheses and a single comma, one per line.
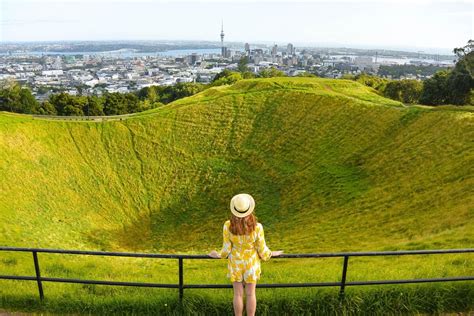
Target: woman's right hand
(214,254)
(277,253)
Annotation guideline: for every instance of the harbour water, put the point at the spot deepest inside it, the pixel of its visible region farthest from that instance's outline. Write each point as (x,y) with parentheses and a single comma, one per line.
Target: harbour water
(122,53)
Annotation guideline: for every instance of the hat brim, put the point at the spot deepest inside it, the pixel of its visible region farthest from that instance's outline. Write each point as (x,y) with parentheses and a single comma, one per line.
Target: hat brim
(247,212)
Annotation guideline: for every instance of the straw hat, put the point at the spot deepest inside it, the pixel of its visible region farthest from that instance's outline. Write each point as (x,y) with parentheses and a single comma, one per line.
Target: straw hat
(242,205)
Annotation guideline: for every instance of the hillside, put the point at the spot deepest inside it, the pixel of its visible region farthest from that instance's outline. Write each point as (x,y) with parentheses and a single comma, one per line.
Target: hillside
(332,166)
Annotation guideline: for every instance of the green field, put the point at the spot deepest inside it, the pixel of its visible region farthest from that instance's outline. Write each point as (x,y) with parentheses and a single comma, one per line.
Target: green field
(332,166)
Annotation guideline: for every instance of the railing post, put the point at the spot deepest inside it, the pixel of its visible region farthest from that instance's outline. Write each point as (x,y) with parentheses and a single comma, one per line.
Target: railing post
(38,275)
(344,274)
(181,288)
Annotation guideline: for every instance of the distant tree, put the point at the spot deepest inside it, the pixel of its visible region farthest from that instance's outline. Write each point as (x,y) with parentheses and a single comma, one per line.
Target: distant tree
(10,96)
(406,91)
(142,94)
(15,98)
(72,110)
(435,89)
(226,77)
(271,72)
(248,75)
(180,90)
(223,74)
(77,107)
(28,103)
(157,95)
(115,103)
(94,106)
(152,96)
(460,52)
(149,93)
(131,103)
(372,81)
(242,66)
(63,103)
(147,105)
(392,90)
(46,108)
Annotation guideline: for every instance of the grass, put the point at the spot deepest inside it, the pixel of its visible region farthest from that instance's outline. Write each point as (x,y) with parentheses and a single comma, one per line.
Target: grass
(394,300)
(332,165)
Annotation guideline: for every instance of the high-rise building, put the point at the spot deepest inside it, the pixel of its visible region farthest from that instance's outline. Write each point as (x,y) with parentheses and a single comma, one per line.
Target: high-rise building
(247,47)
(274,50)
(193,58)
(290,50)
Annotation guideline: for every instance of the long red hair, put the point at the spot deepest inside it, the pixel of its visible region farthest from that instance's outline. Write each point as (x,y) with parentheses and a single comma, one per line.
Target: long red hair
(243,225)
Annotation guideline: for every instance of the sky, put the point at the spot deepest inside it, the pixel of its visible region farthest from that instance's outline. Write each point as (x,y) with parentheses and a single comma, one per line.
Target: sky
(426,25)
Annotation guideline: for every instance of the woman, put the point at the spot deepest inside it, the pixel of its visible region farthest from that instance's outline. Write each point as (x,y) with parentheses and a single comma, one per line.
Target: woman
(244,244)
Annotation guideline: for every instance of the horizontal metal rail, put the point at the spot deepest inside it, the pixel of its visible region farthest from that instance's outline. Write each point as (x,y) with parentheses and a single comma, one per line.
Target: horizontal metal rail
(180,257)
(302,255)
(81,281)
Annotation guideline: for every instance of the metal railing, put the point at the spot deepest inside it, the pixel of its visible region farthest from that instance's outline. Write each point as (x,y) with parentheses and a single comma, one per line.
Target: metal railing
(181,285)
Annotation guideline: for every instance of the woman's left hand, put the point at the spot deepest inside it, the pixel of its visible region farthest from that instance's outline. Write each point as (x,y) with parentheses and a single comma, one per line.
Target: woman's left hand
(214,254)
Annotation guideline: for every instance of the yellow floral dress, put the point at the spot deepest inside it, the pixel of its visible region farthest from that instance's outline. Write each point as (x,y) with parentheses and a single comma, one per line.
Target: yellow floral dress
(244,252)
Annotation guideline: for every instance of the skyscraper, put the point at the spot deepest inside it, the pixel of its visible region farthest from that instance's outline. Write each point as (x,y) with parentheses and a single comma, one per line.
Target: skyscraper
(290,49)
(274,50)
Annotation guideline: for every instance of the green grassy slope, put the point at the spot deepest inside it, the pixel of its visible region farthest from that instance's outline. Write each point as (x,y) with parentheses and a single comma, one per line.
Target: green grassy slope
(332,166)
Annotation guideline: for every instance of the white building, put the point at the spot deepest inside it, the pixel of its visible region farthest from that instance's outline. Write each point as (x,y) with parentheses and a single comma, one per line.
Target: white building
(52,73)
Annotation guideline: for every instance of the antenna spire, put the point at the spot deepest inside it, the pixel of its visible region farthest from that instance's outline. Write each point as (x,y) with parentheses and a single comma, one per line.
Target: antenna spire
(223,48)
(222,31)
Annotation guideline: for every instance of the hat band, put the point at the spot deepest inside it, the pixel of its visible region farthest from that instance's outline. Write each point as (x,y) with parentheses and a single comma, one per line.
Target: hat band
(241,211)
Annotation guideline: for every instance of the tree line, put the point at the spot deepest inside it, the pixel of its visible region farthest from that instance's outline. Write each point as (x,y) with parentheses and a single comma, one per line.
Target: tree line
(15,98)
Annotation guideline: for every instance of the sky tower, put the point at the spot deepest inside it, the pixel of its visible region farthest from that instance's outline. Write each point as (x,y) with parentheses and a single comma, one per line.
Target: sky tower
(223,50)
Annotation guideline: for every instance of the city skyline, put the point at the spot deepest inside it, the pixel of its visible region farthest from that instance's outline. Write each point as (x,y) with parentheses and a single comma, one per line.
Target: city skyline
(418,25)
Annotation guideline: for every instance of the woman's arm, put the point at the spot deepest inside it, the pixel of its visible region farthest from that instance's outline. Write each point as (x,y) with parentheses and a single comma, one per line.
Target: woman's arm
(226,245)
(262,248)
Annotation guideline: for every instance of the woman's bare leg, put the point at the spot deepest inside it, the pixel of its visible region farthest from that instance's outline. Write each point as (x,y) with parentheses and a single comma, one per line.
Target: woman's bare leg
(251,299)
(238,298)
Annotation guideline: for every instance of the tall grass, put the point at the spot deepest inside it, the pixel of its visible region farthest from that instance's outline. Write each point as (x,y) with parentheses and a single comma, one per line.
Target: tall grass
(407,299)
